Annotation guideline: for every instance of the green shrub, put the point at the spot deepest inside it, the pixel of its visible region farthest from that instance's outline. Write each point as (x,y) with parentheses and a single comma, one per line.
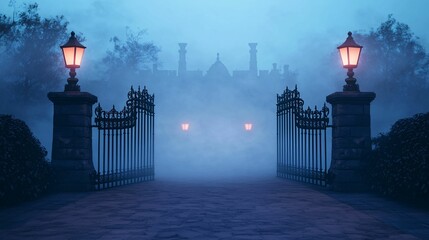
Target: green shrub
(400,160)
(24,172)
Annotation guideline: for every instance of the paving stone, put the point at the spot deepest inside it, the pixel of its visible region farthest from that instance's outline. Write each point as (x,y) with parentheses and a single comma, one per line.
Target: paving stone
(266,208)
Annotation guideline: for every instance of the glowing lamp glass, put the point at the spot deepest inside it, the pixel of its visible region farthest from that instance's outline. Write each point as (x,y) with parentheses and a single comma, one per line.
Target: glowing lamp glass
(185,127)
(350,56)
(248,126)
(73,56)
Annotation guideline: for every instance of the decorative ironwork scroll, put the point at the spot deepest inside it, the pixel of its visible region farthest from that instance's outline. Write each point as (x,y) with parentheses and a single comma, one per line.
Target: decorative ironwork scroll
(125,147)
(301,139)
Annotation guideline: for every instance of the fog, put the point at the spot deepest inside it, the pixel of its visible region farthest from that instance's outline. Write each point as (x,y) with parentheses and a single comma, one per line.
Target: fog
(216,107)
(300,34)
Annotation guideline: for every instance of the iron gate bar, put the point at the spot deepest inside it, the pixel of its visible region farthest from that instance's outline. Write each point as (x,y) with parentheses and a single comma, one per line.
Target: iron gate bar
(126,144)
(301,149)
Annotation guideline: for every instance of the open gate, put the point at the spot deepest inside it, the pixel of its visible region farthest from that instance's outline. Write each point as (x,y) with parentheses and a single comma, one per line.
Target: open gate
(125,145)
(301,139)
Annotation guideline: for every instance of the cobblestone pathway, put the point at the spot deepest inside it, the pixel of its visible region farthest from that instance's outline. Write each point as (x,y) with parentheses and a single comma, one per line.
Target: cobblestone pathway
(267,208)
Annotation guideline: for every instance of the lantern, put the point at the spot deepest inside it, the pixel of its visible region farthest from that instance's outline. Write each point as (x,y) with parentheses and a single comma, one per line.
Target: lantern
(73,52)
(248,126)
(350,54)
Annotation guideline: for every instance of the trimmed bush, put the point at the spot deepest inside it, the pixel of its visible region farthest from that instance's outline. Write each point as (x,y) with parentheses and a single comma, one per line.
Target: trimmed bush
(400,161)
(24,172)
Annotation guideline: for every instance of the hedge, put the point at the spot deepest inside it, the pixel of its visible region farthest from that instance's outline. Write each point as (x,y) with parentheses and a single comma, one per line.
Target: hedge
(400,161)
(24,172)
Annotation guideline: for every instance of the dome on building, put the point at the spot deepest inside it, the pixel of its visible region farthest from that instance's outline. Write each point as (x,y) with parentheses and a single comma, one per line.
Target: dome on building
(218,70)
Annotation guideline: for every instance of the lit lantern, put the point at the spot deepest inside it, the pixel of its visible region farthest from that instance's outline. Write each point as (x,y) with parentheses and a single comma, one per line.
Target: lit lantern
(248,126)
(73,54)
(185,127)
(350,54)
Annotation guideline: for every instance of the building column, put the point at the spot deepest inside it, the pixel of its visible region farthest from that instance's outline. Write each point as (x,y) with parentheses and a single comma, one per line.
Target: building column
(253,64)
(182,60)
(72,140)
(351,139)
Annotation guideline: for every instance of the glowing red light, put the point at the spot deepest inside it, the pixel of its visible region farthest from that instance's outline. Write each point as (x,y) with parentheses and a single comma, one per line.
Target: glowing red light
(248,126)
(185,126)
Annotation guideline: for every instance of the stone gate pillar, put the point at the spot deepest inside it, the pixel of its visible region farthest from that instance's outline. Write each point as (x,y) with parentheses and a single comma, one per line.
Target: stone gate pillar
(72,140)
(351,138)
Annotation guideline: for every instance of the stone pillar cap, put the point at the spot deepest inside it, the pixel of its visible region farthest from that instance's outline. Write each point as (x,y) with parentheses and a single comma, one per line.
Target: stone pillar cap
(72,97)
(351,97)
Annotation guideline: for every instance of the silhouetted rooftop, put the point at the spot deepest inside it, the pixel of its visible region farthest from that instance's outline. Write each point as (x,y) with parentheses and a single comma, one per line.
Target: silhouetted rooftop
(218,70)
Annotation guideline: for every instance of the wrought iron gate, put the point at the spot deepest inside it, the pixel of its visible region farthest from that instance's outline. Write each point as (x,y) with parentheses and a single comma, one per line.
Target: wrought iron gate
(125,147)
(301,139)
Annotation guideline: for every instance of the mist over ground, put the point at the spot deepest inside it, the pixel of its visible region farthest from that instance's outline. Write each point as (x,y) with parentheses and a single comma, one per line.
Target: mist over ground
(301,34)
(216,144)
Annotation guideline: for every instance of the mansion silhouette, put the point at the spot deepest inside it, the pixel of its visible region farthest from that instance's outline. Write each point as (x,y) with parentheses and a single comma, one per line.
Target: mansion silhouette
(218,71)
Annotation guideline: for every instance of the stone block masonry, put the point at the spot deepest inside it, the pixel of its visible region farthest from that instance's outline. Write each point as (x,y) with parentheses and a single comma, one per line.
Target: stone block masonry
(351,139)
(72,140)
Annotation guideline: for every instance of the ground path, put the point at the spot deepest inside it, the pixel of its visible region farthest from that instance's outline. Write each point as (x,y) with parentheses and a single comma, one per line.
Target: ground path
(267,208)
